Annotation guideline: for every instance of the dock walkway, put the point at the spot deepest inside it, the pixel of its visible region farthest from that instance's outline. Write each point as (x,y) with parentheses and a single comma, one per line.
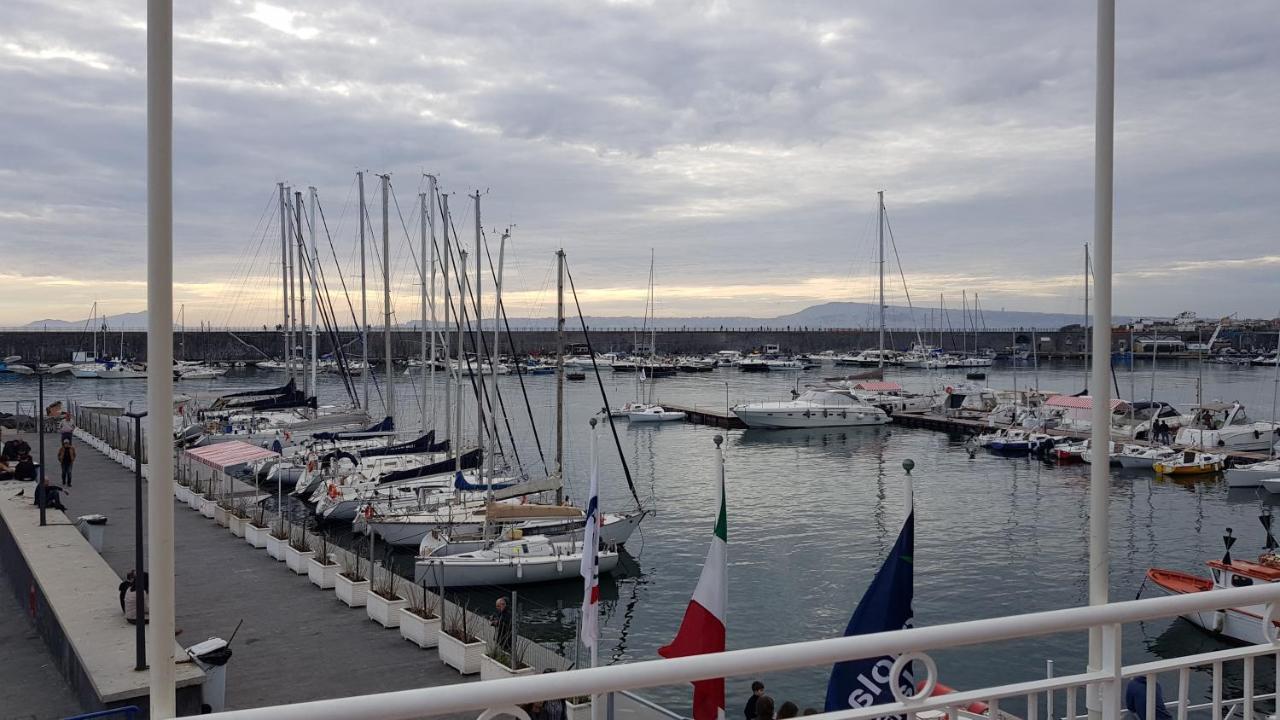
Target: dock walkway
(297,643)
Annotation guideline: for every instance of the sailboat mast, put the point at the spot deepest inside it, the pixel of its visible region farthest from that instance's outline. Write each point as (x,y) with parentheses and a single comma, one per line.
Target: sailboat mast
(1275,396)
(427,215)
(462,317)
(1086,304)
(446,259)
(880,233)
(493,357)
(299,263)
(477,337)
(284,275)
(386,297)
(364,305)
(294,219)
(560,374)
(315,287)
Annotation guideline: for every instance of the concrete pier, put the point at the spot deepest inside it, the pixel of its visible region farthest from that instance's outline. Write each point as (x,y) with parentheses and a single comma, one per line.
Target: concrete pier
(297,642)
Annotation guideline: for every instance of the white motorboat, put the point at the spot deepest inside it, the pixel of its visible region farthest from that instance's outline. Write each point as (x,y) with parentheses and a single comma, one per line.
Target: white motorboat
(513,562)
(1245,624)
(1226,426)
(122,371)
(198,372)
(1271,485)
(890,397)
(655,413)
(782,365)
(1248,476)
(814,408)
(1141,457)
(87,370)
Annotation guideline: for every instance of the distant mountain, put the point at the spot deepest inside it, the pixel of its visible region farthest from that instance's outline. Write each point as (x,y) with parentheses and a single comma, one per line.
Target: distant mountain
(826,315)
(123,321)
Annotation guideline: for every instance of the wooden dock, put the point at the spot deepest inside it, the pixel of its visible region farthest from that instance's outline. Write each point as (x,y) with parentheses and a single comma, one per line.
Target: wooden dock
(965,423)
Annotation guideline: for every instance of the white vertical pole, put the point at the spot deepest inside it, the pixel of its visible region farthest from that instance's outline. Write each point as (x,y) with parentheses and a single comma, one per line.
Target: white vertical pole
(462,323)
(880,216)
(315,287)
(386,298)
(292,322)
(560,375)
(160,353)
(364,305)
(1100,470)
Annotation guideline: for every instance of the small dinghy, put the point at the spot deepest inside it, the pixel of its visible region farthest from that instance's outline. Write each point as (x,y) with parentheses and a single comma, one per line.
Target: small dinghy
(521,561)
(1190,462)
(655,413)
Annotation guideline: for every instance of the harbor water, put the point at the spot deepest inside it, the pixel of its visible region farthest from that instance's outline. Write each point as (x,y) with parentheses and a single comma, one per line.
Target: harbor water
(813,512)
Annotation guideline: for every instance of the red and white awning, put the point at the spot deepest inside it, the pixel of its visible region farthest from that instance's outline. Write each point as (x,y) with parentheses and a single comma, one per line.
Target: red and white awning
(221,456)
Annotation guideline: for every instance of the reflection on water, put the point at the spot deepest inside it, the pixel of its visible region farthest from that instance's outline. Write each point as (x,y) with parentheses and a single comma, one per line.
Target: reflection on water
(812,513)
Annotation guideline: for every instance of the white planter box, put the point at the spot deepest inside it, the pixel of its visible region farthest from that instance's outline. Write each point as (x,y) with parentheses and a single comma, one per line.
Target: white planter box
(577,711)
(193,499)
(463,657)
(207,507)
(256,536)
(322,576)
(181,493)
(491,669)
(383,611)
(220,515)
(276,546)
(418,630)
(236,524)
(353,594)
(296,560)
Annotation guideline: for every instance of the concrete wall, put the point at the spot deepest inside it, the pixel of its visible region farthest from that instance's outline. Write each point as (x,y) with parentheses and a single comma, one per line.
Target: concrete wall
(221,346)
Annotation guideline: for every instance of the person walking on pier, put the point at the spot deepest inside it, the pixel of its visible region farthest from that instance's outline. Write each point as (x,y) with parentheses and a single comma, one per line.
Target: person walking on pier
(66,458)
(66,427)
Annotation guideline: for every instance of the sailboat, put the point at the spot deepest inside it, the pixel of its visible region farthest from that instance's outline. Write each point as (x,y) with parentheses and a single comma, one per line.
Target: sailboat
(650,412)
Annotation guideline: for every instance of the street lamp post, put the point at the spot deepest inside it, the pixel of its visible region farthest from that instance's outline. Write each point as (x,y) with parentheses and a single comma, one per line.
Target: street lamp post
(140,632)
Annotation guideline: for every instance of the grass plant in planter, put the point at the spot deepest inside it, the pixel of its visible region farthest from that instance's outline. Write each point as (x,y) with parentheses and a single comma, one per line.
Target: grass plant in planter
(420,620)
(321,569)
(239,517)
(222,512)
(255,533)
(383,604)
(298,552)
(577,708)
(498,662)
(194,492)
(277,539)
(352,584)
(458,648)
(208,502)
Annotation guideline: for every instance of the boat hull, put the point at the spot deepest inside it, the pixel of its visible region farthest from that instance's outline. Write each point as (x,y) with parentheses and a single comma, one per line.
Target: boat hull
(1242,624)
(508,571)
(411,534)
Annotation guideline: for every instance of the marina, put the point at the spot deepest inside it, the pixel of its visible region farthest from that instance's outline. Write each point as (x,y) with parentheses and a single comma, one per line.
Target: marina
(873,438)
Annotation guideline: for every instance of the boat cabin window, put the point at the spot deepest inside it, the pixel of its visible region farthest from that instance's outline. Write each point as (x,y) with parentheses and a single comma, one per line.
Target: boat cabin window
(1217,576)
(1241,581)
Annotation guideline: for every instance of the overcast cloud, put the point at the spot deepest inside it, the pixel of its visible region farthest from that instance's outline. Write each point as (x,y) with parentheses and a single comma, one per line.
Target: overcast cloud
(743,141)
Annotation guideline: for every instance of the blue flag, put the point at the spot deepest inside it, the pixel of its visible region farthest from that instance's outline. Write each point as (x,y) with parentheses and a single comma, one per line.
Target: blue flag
(886,606)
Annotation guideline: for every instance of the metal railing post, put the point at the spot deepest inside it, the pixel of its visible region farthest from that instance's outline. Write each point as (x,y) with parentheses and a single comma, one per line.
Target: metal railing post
(1111,690)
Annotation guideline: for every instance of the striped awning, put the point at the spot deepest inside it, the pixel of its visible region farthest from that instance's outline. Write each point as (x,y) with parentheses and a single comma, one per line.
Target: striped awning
(221,456)
(1079,402)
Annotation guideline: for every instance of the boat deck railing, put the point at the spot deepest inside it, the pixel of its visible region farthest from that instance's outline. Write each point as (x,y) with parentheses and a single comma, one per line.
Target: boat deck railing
(1101,689)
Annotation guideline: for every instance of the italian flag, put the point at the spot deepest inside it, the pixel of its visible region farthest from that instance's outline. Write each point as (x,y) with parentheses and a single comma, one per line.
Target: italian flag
(702,630)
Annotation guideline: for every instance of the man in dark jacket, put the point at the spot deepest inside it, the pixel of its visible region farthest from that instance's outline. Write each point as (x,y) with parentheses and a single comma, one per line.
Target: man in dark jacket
(757,689)
(501,622)
(1135,700)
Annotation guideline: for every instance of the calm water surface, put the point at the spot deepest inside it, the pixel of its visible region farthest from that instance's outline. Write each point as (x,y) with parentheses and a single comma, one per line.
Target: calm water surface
(812,513)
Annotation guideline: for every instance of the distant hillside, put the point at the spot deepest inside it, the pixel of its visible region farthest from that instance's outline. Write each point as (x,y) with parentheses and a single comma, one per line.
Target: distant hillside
(826,315)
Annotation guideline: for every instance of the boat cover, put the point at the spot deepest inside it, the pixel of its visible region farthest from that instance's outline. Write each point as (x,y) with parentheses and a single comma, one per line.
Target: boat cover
(223,455)
(460,483)
(386,425)
(469,460)
(508,512)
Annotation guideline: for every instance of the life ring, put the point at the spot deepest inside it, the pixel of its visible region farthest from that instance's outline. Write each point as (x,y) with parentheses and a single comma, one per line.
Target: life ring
(333,491)
(948,389)
(368,512)
(1257,434)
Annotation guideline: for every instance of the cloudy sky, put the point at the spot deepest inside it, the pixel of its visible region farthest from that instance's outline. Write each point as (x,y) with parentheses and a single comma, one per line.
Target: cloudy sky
(743,142)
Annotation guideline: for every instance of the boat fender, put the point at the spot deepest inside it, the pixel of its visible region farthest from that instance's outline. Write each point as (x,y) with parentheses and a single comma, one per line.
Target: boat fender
(1219,620)
(1221,442)
(519,570)
(333,491)
(559,565)
(1257,434)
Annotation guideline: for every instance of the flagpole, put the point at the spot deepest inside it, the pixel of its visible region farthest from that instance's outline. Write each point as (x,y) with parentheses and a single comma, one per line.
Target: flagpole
(597,708)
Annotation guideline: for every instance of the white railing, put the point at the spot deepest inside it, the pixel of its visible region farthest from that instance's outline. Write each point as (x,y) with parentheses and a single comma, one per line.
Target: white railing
(1105,684)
